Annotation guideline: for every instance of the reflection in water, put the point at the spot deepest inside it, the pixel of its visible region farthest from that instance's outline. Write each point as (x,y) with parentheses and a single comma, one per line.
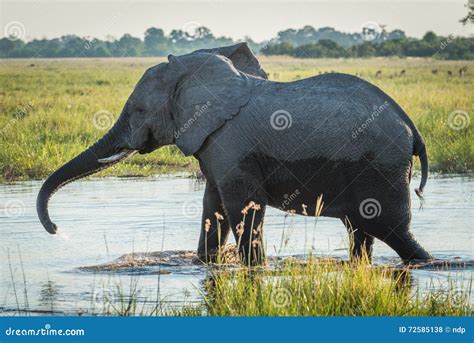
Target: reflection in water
(49,295)
(106,220)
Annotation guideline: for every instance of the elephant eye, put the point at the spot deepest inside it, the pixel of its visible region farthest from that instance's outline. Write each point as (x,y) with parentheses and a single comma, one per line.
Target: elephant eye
(139,110)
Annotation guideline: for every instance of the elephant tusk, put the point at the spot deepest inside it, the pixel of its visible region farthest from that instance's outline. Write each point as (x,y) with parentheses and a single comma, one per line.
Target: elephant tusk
(118,156)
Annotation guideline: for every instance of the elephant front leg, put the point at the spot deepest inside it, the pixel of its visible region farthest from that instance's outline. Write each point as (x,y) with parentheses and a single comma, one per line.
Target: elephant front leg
(249,233)
(214,226)
(245,208)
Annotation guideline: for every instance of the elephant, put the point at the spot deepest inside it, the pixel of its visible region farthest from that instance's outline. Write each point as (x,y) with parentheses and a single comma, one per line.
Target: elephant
(263,143)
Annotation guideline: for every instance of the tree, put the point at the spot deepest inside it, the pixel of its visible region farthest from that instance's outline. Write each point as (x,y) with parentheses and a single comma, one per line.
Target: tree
(71,46)
(155,42)
(469,19)
(8,46)
(277,49)
(363,50)
(203,33)
(129,46)
(287,36)
(389,48)
(304,42)
(430,37)
(420,48)
(178,38)
(396,34)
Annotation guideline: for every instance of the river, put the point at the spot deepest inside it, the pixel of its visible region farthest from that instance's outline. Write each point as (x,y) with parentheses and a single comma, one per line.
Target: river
(102,219)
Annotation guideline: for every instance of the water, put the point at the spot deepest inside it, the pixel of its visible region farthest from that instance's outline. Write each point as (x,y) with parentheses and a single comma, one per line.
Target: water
(102,219)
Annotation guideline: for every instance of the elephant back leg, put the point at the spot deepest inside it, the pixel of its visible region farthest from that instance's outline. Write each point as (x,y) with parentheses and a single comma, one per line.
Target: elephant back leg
(386,215)
(395,232)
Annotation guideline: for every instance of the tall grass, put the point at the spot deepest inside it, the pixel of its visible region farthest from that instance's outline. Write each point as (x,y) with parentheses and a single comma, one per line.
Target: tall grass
(48,107)
(315,287)
(328,288)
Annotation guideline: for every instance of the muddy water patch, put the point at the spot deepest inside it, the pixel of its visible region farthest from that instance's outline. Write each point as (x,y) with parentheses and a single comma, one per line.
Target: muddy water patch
(185,261)
(149,263)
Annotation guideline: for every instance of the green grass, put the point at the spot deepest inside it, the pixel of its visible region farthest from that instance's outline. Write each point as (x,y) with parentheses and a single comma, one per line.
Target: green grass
(48,107)
(48,115)
(316,287)
(328,288)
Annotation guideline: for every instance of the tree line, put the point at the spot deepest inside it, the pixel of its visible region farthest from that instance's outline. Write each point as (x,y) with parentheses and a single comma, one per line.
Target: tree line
(307,42)
(431,45)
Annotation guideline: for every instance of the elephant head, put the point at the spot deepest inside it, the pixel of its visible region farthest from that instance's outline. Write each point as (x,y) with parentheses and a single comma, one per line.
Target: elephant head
(180,102)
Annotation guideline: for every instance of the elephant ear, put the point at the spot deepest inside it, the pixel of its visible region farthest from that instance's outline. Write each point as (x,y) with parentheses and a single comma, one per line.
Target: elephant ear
(242,58)
(209,92)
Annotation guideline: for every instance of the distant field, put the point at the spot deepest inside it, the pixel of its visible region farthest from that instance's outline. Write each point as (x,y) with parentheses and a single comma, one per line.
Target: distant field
(52,109)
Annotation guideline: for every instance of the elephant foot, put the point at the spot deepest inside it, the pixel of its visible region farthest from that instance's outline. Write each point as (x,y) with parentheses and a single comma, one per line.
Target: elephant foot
(226,254)
(421,258)
(211,257)
(252,257)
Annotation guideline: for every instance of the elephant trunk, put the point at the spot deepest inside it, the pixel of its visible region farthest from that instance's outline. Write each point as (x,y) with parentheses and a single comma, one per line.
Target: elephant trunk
(92,160)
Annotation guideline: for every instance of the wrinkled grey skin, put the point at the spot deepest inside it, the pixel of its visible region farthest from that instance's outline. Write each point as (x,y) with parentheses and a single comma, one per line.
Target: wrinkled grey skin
(273,143)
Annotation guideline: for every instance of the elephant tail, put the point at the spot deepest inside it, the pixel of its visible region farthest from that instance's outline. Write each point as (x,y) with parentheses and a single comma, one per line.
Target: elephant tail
(419,150)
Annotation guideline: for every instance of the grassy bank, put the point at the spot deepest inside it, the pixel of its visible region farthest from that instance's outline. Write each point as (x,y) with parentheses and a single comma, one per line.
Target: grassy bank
(328,288)
(317,287)
(52,109)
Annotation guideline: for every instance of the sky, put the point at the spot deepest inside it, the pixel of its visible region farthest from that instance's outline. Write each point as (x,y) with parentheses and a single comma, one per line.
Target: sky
(258,19)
